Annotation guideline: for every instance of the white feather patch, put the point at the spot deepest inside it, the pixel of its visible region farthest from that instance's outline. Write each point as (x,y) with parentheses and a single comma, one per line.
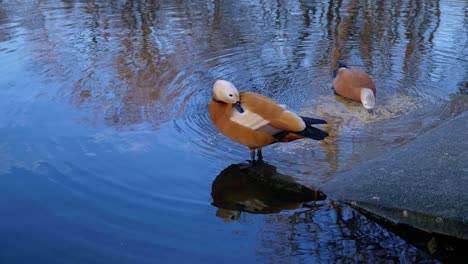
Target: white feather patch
(249,119)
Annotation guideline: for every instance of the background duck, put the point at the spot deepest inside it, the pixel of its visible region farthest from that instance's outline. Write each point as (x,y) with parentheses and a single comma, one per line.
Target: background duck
(256,121)
(355,85)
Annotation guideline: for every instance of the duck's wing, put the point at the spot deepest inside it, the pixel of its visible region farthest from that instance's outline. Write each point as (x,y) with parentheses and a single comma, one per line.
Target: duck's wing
(362,79)
(261,111)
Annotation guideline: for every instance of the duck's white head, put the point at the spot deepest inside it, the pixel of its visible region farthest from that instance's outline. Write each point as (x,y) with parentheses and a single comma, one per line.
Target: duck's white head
(367,98)
(225,91)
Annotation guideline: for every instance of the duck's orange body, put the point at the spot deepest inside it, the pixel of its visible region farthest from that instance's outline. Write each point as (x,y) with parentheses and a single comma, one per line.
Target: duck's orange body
(256,121)
(350,82)
(221,114)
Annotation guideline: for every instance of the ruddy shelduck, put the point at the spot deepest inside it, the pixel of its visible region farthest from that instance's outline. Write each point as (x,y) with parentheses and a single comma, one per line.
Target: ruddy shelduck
(256,121)
(354,84)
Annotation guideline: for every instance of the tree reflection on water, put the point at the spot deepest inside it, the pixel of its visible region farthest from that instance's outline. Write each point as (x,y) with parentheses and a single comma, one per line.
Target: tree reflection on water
(131,55)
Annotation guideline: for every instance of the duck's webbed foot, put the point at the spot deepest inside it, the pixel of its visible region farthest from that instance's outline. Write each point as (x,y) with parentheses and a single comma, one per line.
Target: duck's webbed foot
(250,163)
(246,165)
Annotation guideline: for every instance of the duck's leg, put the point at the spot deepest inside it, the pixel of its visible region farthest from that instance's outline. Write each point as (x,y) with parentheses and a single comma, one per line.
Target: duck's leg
(250,162)
(252,156)
(259,154)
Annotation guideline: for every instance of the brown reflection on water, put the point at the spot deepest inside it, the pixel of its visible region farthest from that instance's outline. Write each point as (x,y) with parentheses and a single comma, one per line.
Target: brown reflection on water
(122,47)
(376,27)
(125,56)
(128,63)
(259,189)
(4,32)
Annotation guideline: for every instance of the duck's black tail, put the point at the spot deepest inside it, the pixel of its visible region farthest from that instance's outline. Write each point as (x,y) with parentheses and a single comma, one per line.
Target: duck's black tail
(313,132)
(308,132)
(313,121)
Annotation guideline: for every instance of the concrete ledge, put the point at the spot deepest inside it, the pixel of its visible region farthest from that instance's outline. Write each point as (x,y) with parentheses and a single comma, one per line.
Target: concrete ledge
(423,183)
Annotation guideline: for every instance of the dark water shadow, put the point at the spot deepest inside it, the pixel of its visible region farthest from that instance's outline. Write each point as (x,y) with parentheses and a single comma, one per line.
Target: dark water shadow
(445,248)
(259,189)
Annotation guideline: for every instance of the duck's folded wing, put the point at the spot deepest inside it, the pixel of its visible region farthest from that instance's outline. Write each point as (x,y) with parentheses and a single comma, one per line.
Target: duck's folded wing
(363,79)
(275,115)
(250,120)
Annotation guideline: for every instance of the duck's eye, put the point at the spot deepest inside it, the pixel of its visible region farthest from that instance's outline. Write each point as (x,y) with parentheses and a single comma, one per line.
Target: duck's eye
(230,95)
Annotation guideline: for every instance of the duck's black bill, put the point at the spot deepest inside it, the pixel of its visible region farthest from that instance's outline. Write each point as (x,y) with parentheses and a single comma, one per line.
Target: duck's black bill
(238,106)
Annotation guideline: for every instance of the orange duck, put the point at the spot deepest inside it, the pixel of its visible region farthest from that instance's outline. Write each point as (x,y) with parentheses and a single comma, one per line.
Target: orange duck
(256,121)
(355,85)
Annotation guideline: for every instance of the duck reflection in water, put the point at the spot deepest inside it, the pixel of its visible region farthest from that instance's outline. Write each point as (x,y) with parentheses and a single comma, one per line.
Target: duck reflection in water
(259,189)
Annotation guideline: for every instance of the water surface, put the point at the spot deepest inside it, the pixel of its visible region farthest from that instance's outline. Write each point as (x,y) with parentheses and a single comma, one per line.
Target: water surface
(107,153)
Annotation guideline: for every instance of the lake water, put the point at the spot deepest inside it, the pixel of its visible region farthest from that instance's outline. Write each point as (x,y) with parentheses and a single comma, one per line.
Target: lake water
(108,155)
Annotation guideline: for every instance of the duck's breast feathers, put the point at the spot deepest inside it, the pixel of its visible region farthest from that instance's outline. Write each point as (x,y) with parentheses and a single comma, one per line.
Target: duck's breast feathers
(222,114)
(217,110)
(274,114)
